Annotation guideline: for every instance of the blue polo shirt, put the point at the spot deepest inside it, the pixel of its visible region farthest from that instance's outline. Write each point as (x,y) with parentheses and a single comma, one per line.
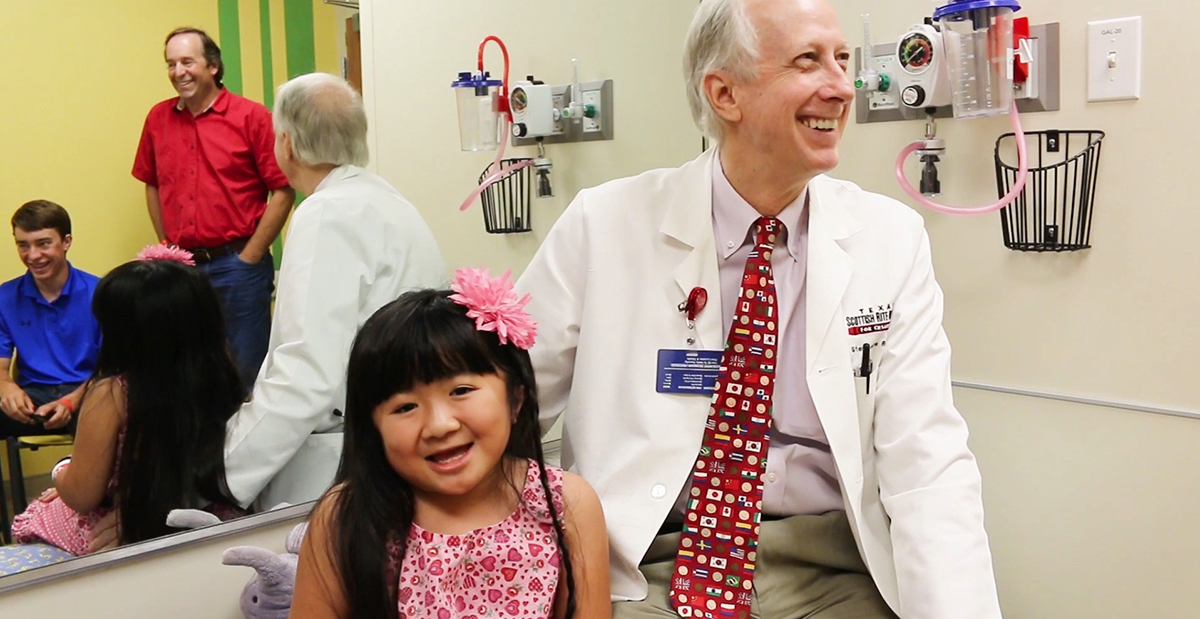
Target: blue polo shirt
(57,342)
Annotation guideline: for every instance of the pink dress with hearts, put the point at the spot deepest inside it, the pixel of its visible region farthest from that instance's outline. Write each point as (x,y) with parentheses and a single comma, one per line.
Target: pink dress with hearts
(506,570)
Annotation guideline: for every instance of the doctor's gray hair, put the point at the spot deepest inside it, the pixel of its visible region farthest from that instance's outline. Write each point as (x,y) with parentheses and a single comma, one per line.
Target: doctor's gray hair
(324,116)
(721,38)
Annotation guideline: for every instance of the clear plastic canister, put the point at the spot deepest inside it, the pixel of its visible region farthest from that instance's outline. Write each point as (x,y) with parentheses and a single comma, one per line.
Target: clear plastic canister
(978,43)
(478,112)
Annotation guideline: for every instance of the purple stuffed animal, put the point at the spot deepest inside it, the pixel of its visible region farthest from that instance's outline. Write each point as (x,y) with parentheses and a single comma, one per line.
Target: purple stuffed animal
(268,595)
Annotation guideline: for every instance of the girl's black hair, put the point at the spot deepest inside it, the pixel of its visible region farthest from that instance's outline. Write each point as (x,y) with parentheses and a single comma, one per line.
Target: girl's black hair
(163,335)
(417,339)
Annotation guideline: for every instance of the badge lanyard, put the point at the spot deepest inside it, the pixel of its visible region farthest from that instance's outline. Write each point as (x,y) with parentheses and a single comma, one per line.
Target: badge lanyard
(696,301)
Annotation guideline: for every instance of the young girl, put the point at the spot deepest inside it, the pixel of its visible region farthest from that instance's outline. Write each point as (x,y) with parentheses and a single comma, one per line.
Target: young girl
(151,427)
(443,505)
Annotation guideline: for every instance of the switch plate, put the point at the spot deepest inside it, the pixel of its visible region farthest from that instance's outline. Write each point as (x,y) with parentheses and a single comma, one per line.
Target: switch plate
(592,97)
(1115,59)
(600,94)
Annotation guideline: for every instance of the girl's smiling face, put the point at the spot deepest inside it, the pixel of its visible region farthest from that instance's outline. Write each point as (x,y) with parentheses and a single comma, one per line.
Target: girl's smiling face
(449,436)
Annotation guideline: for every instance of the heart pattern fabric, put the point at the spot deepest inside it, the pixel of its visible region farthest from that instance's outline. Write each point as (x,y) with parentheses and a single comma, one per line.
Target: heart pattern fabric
(507,570)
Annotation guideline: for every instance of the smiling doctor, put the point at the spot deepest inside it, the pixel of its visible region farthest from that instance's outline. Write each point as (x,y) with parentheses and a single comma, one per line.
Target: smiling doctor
(829,476)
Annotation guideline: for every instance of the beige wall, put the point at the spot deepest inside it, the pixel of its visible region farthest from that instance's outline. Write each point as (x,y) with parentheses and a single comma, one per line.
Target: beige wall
(1109,322)
(1093,512)
(413,50)
(187,583)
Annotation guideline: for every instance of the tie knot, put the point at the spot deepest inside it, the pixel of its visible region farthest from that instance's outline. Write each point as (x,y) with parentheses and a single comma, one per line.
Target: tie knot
(766,231)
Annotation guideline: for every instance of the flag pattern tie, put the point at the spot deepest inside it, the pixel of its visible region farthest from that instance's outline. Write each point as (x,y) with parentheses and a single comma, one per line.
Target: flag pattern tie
(714,567)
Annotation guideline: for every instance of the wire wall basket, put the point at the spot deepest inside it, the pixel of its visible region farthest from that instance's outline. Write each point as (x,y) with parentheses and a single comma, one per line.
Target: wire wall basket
(506,201)
(1054,212)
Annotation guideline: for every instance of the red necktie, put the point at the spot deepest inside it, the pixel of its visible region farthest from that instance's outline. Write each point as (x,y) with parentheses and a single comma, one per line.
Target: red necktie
(714,569)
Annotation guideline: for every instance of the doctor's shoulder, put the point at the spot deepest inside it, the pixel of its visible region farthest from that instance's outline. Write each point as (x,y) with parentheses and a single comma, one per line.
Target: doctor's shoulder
(869,208)
(628,197)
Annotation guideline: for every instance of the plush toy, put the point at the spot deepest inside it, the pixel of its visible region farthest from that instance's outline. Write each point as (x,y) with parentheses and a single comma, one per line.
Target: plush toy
(268,595)
(190,519)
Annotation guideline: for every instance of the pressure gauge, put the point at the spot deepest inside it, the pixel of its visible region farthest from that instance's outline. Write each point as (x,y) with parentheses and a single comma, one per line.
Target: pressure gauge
(915,53)
(518,100)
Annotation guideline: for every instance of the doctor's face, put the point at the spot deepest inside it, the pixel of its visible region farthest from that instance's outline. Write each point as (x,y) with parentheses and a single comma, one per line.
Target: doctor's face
(794,111)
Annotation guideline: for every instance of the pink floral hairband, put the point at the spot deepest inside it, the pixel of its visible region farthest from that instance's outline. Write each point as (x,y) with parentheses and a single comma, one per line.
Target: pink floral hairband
(494,305)
(171,253)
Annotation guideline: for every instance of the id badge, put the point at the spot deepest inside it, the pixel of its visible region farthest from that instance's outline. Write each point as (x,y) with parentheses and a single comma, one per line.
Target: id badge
(691,372)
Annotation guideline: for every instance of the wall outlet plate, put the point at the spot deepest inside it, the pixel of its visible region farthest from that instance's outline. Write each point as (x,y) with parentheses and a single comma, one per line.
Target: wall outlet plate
(1114,59)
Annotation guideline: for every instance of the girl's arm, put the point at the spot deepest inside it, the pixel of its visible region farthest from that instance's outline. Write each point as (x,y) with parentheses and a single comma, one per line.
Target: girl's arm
(587,540)
(319,593)
(84,483)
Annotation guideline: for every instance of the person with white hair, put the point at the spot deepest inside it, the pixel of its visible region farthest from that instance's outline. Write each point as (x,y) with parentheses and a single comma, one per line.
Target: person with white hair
(354,244)
(749,360)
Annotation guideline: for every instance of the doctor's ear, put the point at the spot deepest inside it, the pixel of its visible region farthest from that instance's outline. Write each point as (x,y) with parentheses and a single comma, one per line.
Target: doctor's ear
(285,146)
(718,88)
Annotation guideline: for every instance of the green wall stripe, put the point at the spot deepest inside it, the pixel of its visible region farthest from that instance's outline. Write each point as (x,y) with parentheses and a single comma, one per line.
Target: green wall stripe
(301,49)
(298,29)
(231,43)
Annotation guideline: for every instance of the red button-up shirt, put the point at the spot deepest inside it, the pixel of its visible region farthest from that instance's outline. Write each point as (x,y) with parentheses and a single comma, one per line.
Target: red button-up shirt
(213,171)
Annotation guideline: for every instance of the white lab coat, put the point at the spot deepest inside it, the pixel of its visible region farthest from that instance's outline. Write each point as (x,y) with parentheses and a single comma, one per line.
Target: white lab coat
(606,286)
(353,246)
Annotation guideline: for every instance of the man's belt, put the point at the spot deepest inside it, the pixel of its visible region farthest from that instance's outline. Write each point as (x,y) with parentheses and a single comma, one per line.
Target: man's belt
(204,255)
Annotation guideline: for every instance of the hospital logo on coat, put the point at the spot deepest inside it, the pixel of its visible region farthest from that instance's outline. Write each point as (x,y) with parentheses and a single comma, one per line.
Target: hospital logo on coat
(871,319)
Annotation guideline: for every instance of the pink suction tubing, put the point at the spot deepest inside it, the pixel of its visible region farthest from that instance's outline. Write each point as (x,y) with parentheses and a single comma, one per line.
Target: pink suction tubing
(1017,188)
(499,173)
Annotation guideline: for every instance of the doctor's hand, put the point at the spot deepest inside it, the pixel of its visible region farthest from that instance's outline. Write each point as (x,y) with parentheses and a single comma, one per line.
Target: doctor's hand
(16,403)
(57,414)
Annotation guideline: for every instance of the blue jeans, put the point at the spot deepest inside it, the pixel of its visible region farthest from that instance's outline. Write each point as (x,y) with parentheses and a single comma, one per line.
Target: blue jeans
(39,394)
(245,293)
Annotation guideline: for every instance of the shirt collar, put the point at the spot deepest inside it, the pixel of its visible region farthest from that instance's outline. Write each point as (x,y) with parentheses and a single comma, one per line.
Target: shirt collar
(29,286)
(733,215)
(337,174)
(218,106)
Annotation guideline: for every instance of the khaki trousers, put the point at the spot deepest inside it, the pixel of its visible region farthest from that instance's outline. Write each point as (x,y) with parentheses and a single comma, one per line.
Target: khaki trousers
(808,568)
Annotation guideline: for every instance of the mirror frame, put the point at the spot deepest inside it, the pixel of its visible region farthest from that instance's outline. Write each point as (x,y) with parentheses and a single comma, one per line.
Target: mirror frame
(133,552)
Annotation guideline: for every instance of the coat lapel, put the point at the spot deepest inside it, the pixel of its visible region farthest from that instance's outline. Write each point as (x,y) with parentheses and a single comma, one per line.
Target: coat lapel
(827,343)
(689,245)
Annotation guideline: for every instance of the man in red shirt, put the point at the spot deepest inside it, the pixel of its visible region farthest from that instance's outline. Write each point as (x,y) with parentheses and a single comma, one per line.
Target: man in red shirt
(207,159)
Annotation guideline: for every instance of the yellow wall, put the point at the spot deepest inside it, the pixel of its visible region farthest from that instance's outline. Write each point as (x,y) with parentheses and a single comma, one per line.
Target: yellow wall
(79,78)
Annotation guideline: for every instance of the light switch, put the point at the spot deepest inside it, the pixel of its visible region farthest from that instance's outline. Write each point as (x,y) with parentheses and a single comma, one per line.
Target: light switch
(1115,59)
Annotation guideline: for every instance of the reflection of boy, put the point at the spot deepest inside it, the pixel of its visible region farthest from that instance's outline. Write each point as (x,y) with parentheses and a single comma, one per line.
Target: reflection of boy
(46,315)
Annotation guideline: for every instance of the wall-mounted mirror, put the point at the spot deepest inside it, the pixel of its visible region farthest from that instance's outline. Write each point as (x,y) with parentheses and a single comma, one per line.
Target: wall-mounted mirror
(72,139)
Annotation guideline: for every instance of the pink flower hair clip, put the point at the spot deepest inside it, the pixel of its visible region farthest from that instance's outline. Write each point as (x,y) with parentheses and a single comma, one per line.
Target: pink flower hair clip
(494,305)
(163,251)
